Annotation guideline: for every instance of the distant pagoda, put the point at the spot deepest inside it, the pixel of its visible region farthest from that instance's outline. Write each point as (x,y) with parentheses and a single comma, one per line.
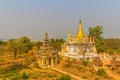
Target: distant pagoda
(46,55)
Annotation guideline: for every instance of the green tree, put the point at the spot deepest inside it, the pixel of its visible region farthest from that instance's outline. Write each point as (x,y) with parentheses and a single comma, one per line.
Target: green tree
(13,47)
(111,45)
(1,48)
(38,44)
(20,45)
(96,32)
(1,43)
(24,44)
(56,43)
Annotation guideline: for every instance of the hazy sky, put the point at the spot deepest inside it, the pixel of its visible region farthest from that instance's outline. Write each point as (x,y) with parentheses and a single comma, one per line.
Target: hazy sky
(33,18)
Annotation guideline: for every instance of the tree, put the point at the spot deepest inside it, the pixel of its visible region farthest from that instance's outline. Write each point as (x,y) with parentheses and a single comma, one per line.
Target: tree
(1,48)
(1,43)
(20,45)
(56,43)
(24,44)
(13,47)
(111,45)
(37,44)
(96,32)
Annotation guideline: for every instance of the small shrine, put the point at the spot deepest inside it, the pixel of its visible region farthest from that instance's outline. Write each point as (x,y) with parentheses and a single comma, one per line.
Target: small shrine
(46,55)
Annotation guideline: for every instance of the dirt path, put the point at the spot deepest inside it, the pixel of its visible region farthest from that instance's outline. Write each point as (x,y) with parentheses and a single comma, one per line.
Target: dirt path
(73,76)
(117,77)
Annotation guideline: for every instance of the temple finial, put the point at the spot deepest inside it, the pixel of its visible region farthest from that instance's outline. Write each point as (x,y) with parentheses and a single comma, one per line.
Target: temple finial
(80,28)
(80,21)
(46,37)
(69,36)
(46,34)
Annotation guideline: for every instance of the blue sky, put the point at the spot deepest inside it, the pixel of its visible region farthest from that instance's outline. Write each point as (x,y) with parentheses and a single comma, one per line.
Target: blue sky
(33,18)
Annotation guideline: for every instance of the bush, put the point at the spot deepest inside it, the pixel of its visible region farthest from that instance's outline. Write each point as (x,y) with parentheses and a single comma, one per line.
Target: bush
(79,67)
(97,79)
(36,66)
(84,77)
(118,72)
(24,76)
(34,76)
(67,65)
(64,77)
(101,72)
(85,63)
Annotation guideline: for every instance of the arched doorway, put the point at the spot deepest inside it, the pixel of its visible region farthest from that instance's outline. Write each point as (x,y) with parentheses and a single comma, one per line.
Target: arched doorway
(45,61)
(49,61)
(54,60)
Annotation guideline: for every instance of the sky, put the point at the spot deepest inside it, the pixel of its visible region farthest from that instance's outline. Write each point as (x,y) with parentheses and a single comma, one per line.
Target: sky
(33,18)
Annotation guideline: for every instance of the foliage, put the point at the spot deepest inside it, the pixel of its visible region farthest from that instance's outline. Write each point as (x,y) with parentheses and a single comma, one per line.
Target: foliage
(97,79)
(96,32)
(24,76)
(20,45)
(36,66)
(64,77)
(101,72)
(24,44)
(1,43)
(85,76)
(98,44)
(67,65)
(37,44)
(111,45)
(56,43)
(13,46)
(12,71)
(85,63)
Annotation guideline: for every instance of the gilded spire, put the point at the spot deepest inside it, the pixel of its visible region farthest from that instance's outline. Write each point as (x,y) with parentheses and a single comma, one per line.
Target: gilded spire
(69,36)
(80,32)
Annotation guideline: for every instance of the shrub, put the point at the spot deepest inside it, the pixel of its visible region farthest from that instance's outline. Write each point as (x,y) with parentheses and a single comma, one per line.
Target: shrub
(34,76)
(36,66)
(101,72)
(24,76)
(49,75)
(64,77)
(97,79)
(118,72)
(85,63)
(84,77)
(67,65)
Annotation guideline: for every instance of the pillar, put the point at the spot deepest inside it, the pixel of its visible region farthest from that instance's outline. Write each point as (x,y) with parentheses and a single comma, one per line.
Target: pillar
(42,61)
(47,61)
(39,62)
(52,61)
(56,60)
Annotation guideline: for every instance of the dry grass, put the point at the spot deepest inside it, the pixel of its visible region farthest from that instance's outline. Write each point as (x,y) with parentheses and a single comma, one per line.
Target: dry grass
(76,68)
(13,69)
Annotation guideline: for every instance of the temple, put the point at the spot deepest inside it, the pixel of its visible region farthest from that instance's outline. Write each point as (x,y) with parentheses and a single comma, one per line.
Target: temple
(79,45)
(46,55)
